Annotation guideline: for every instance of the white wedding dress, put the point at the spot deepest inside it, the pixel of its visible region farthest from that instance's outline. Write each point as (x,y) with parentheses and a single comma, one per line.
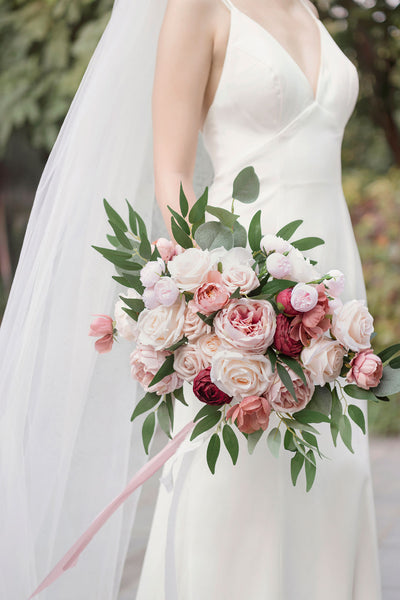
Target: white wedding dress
(246,533)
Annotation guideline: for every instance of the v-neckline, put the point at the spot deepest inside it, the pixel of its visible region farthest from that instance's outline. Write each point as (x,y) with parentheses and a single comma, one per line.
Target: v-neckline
(314,95)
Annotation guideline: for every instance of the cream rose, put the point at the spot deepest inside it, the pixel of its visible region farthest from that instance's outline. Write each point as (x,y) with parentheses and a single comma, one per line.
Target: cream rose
(353,325)
(324,359)
(240,375)
(162,326)
(125,325)
(189,269)
(240,276)
(207,346)
(193,326)
(282,400)
(188,362)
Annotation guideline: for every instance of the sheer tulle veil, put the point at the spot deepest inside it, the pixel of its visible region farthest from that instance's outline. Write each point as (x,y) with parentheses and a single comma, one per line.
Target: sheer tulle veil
(67,445)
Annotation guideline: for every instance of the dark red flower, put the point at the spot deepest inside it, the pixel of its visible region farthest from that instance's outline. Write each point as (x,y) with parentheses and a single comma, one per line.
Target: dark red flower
(284,298)
(283,340)
(206,391)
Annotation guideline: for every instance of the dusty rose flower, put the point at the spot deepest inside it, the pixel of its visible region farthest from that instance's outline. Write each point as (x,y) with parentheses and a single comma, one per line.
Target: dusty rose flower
(335,286)
(166,291)
(304,297)
(102,327)
(211,297)
(145,362)
(189,269)
(284,298)
(240,276)
(207,345)
(151,272)
(167,248)
(283,341)
(366,369)
(193,326)
(206,391)
(188,361)
(239,374)
(281,399)
(246,324)
(278,265)
(352,325)
(314,323)
(252,414)
(162,326)
(324,359)
(273,243)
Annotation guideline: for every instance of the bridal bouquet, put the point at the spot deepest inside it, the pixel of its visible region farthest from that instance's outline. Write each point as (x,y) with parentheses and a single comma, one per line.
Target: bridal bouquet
(250,323)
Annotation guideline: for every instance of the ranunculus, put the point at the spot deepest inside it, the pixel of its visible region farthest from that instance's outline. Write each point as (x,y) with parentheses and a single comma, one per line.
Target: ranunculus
(282,400)
(189,269)
(239,374)
(162,326)
(102,326)
(166,291)
(167,248)
(282,340)
(246,324)
(125,325)
(252,414)
(284,298)
(313,323)
(240,276)
(188,361)
(206,391)
(366,369)
(352,325)
(324,359)
(194,326)
(145,362)
(207,345)
(273,243)
(278,265)
(336,285)
(301,268)
(149,298)
(210,297)
(304,297)
(151,272)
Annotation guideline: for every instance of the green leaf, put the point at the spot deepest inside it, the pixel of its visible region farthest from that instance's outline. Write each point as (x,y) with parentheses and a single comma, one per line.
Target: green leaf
(311,439)
(132,281)
(225,216)
(293,364)
(180,236)
(272,357)
(311,416)
(181,342)
(253,439)
(236,293)
(295,466)
(121,237)
(197,212)
(345,431)
(300,449)
(163,418)
(389,384)
(144,246)
(307,243)
(357,415)
(148,428)
(183,203)
(114,216)
(288,442)
(146,403)
(117,257)
(395,363)
(275,286)
(334,432)
(166,369)
(288,230)
(246,186)
(337,410)
(274,441)
(205,424)
(179,395)
(212,235)
(183,224)
(113,240)
(311,470)
(231,442)
(389,352)
(239,235)
(286,380)
(170,407)
(321,400)
(297,425)
(255,233)
(132,218)
(136,304)
(355,392)
(131,313)
(207,409)
(213,449)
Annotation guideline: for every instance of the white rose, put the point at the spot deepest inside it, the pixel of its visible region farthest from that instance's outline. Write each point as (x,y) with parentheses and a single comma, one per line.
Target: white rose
(207,345)
(324,359)
(188,362)
(239,374)
(353,325)
(273,243)
(241,276)
(189,269)
(301,268)
(162,326)
(125,325)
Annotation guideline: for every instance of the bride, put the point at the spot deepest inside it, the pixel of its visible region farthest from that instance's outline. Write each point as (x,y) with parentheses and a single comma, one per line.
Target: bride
(267,86)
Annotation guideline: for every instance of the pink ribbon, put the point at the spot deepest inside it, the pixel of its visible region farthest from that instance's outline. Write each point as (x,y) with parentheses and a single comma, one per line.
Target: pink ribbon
(71,557)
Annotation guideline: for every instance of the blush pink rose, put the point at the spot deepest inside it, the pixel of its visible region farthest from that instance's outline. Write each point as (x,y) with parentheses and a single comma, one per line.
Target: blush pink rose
(252,414)
(102,327)
(167,248)
(211,297)
(313,323)
(166,291)
(366,369)
(194,327)
(214,277)
(282,400)
(145,362)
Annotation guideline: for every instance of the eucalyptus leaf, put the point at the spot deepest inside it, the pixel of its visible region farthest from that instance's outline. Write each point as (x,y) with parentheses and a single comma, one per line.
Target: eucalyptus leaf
(183,224)
(253,439)
(395,363)
(170,407)
(144,246)
(294,364)
(303,452)
(213,449)
(197,212)
(148,428)
(167,368)
(357,415)
(345,431)
(146,403)
(207,409)
(224,216)
(355,392)
(231,442)
(239,235)
(114,216)
(246,186)
(163,418)
(113,240)
(212,235)
(272,357)
(136,304)
(179,395)
(321,400)
(311,416)
(302,426)
(337,409)
(311,470)
(288,230)
(307,243)
(295,466)
(180,236)
(121,237)
(183,203)
(334,432)
(389,384)
(275,286)
(286,380)
(288,442)
(184,340)
(132,218)
(274,441)
(205,424)
(255,233)
(389,352)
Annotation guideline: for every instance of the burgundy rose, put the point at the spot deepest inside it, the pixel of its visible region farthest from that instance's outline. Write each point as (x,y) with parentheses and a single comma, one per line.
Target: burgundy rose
(283,341)
(206,391)
(284,298)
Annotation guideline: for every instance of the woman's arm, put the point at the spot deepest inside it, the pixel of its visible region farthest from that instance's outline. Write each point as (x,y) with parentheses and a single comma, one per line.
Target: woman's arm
(184,57)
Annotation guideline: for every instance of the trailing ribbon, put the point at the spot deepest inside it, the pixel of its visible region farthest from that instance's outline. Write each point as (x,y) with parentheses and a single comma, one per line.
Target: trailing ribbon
(71,557)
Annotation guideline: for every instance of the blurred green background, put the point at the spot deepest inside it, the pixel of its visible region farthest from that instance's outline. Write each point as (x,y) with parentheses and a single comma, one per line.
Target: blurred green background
(45,46)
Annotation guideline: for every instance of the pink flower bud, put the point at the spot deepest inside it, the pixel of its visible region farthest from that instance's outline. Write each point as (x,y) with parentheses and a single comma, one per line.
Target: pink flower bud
(151,272)
(304,297)
(278,265)
(149,298)
(165,291)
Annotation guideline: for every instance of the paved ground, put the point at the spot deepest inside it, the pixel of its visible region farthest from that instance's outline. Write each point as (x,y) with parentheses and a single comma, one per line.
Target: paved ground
(385,461)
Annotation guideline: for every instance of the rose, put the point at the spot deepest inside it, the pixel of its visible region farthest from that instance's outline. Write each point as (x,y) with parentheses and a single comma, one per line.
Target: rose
(145,362)
(193,326)
(167,248)
(304,297)
(273,243)
(336,285)
(283,342)
(166,291)
(246,324)
(188,362)
(207,345)
(281,399)
(301,268)
(324,359)
(240,375)
(151,272)
(278,265)
(352,325)
(206,391)
(102,326)
(162,326)
(240,276)
(284,298)
(211,297)
(125,325)
(366,369)
(189,269)
(252,414)
(234,257)
(313,323)
(149,298)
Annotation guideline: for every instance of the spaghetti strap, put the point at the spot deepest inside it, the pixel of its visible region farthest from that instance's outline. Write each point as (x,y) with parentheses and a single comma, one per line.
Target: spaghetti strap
(229,4)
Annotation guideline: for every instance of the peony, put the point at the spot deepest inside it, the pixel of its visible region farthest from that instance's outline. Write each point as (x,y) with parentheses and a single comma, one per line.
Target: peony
(206,391)
(301,268)
(189,269)
(145,362)
(282,400)
(336,285)
(278,265)
(102,326)
(246,324)
(334,304)
(188,362)
(324,359)
(273,243)
(166,291)
(284,298)
(125,325)
(352,325)
(283,342)
(211,297)
(252,414)
(313,323)
(207,345)
(167,248)
(162,326)
(194,326)
(304,297)
(366,369)
(149,298)
(240,276)
(236,256)
(240,375)
(151,272)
